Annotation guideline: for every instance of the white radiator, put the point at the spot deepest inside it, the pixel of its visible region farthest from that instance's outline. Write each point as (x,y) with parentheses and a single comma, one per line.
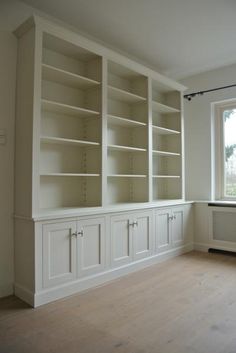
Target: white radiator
(222,224)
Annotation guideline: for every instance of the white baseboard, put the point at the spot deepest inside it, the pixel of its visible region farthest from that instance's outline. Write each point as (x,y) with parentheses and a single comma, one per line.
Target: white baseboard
(6,290)
(51,294)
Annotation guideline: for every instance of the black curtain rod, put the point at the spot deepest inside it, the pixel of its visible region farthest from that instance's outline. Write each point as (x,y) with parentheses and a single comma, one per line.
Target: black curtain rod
(200,93)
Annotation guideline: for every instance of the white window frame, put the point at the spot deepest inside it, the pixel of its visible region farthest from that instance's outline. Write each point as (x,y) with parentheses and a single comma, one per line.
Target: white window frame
(218,160)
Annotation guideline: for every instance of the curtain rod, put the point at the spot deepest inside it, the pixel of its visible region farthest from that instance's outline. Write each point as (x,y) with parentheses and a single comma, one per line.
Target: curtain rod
(200,93)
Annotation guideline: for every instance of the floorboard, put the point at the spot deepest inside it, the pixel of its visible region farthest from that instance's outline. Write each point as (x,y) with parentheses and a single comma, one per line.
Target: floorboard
(184,305)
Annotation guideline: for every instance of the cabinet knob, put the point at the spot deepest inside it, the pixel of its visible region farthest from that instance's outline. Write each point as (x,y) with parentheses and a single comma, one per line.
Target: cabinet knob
(81,233)
(74,234)
(133,224)
(170,218)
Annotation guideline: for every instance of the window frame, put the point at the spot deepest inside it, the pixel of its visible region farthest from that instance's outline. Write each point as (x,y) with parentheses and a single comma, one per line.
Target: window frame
(218,145)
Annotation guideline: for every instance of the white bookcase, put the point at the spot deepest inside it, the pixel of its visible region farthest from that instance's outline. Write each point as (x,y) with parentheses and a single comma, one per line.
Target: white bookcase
(106,130)
(99,152)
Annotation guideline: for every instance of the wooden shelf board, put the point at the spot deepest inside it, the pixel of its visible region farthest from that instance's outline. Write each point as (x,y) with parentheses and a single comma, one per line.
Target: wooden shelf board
(66,109)
(162,108)
(69,175)
(60,140)
(164,153)
(54,74)
(126,148)
(166,176)
(124,96)
(127,176)
(117,120)
(164,131)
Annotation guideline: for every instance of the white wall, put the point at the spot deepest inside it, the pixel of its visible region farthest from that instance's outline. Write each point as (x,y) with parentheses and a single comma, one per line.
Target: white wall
(198,128)
(198,144)
(7,116)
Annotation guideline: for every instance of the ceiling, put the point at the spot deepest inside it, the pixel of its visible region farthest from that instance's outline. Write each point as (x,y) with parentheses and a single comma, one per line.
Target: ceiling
(177,37)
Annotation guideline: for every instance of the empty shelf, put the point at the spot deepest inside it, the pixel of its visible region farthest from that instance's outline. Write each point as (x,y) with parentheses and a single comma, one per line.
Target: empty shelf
(54,74)
(124,96)
(162,108)
(59,140)
(66,109)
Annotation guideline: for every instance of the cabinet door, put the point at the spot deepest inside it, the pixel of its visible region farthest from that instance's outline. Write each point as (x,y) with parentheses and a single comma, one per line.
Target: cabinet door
(59,253)
(121,240)
(163,226)
(178,226)
(91,246)
(142,235)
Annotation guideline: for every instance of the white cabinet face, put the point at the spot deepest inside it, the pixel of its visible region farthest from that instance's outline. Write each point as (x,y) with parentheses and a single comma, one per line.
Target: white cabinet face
(59,253)
(121,240)
(142,236)
(91,246)
(163,229)
(178,227)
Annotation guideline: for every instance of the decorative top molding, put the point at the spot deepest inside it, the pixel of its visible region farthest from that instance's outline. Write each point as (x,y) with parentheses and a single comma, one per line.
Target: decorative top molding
(74,37)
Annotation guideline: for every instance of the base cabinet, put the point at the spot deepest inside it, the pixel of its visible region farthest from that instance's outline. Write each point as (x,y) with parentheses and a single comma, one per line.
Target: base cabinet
(67,255)
(72,249)
(169,228)
(131,237)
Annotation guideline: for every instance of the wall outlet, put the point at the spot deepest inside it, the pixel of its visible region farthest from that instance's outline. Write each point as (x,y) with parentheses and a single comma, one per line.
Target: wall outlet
(3,137)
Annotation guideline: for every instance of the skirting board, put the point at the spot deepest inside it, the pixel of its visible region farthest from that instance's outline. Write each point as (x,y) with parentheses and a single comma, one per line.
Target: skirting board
(205,246)
(52,294)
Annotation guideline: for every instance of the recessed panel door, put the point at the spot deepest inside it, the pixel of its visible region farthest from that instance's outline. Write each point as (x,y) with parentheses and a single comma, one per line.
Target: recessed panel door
(178,226)
(91,246)
(142,235)
(121,240)
(163,227)
(59,253)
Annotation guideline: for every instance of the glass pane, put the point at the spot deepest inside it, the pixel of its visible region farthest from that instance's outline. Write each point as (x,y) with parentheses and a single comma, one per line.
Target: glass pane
(229,118)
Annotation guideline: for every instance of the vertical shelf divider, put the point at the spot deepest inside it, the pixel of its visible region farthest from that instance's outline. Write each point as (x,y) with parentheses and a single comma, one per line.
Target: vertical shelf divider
(182,147)
(150,158)
(36,121)
(104,131)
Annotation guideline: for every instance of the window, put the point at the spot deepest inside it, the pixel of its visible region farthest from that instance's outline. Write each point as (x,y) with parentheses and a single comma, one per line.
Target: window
(225,151)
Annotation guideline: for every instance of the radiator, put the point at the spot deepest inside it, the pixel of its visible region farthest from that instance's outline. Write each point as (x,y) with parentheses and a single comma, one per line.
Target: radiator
(223,224)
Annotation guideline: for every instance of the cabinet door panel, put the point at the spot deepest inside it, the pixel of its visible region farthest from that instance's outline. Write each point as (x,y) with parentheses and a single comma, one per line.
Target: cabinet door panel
(163,229)
(59,253)
(142,236)
(121,240)
(178,227)
(91,246)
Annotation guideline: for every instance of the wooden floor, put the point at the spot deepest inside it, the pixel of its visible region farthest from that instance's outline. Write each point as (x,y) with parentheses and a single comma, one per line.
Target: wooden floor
(184,305)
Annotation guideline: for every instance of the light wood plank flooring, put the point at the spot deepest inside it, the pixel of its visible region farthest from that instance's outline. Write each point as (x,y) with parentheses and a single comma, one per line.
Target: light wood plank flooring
(184,305)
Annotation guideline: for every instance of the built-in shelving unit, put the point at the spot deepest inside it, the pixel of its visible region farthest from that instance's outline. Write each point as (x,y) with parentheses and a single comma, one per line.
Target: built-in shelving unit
(98,164)
(106,130)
